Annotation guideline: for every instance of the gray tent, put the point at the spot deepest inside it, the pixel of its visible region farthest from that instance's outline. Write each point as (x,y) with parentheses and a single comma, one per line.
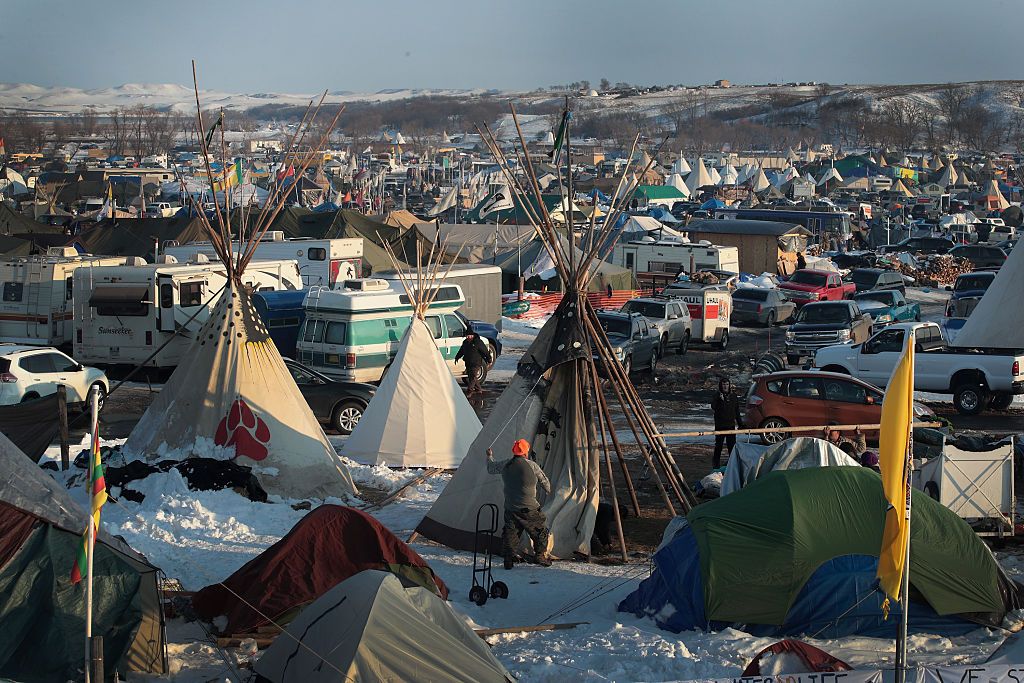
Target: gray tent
(749,462)
(371,628)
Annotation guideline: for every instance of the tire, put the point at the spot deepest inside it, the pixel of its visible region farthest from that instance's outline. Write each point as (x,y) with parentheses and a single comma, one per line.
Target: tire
(652,367)
(770,321)
(478,595)
(836,368)
(627,365)
(932,489)
(102,394)
(30,396)
(1000,400)
(773,423)
(494,354)
(346,416)
(970,399)
(663,346)
(793,359)
(499,590)
(481,375)
(724,343)
(684,344)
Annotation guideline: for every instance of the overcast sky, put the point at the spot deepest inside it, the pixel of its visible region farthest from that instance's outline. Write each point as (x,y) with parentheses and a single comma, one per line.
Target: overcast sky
(368,45)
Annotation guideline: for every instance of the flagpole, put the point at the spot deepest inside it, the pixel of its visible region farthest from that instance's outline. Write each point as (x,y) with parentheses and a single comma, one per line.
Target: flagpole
(94,407)
(901,634)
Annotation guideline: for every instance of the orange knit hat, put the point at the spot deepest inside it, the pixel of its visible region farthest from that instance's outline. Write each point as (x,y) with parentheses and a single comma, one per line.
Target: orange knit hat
(521,447)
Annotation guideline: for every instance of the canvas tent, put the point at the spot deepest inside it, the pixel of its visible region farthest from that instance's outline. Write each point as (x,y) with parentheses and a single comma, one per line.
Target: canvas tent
(474,242)
(698,178)
(817,557)
(748,462)
(327,546)
(42,615)
(372,628)
(534,261)
(997,322)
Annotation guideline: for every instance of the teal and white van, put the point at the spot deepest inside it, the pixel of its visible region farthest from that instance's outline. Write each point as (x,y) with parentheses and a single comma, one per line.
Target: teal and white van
(352,334)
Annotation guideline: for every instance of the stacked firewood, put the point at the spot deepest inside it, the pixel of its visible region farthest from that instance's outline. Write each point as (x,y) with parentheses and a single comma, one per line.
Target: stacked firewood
(934,270)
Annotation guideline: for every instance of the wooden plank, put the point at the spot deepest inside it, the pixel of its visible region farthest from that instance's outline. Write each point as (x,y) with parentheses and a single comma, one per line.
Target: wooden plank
(261,643)
(484,632)
(398,493)
(782,430)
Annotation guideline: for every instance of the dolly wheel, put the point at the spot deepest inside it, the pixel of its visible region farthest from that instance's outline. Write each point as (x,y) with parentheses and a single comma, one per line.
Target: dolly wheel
(499,590)
(478,595)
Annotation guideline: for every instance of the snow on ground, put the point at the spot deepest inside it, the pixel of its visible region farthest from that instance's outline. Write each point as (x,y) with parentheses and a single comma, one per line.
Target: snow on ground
(202,537)
(516,337)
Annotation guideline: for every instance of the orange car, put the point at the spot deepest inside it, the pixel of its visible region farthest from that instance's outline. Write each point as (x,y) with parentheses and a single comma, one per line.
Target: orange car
(814,398)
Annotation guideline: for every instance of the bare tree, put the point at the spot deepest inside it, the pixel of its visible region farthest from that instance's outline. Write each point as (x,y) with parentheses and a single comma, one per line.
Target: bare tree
(980,128)
(953,97)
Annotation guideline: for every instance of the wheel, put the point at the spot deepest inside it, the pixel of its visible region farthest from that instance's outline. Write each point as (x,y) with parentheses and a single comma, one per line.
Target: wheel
(771,319)
(30,396)
(499,590)
(970,399)
(684,344)
(346,416)
(494,354)
(1001,400)
(652,367)
(627,365)
(481,375)
(478,595)
(724,343)
(663,345)
(101,392)
(932,489)
(773,423)
(836,368)
(793,359)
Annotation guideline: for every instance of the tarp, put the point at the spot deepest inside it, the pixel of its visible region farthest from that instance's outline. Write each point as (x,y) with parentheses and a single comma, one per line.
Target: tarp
(41,612)
(748,462)
(139,236)
(796,552)
(474,242)
(327,546)
(13,223)
(31,426)
(536,265)
(371,628)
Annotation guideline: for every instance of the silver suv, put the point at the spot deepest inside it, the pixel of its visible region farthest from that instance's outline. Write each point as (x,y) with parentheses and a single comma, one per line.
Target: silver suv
(670,317)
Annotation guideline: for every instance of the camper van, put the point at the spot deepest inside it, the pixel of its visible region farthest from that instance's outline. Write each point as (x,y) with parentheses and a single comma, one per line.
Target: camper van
(38,294)
(480,284)
(353,333)
(322,263)
(671,258)
(124,314)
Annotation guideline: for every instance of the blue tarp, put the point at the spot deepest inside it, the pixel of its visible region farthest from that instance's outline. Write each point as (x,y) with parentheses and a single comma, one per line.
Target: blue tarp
(713,204)
(600,196)
(662,214)
(326,207)
(840,599)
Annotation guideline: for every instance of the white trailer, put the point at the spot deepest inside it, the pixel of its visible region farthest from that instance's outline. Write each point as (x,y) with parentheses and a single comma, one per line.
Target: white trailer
(322,263)
(37,296)
(123,314)
(710,310)
(672,257)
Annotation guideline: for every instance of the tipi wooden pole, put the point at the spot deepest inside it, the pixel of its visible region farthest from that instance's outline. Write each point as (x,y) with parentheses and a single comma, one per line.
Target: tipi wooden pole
(595,385)
(606,414)
(790,430)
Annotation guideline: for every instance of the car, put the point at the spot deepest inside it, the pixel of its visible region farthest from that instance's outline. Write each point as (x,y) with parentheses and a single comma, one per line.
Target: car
(808,284)
(980,256)
(762,306)
(876,278)
(1007,245)
(634,340)
(811,398)
(887,306)
(337,404)
(923,245)
(826,323)
(31,372)
(670,317)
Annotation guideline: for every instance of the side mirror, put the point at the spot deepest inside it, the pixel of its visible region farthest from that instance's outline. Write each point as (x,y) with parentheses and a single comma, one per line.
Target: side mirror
(870,400)
(673,316)
(637,336)
(79,367)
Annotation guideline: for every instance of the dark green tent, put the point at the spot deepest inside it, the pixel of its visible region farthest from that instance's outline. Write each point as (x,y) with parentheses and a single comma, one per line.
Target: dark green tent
(13,223)
(138,236)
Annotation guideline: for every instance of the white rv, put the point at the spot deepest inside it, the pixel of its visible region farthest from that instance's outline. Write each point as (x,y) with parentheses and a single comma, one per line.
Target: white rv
(322,263)
(672,257)
(38,292)
(124,314)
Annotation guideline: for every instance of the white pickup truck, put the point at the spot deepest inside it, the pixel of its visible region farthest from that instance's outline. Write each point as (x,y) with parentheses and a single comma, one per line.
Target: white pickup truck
(977,378)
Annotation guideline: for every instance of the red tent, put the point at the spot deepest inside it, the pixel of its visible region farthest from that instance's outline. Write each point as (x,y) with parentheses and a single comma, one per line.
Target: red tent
(810,659)
(326,547)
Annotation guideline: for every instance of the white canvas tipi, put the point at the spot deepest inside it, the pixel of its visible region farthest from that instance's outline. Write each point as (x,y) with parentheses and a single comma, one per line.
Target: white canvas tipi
(698,177)
(419,416)
(997,322)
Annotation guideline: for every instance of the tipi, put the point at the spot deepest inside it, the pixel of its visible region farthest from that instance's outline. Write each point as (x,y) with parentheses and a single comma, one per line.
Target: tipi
(699,177)
(235,398)
(419,416)
(556,402)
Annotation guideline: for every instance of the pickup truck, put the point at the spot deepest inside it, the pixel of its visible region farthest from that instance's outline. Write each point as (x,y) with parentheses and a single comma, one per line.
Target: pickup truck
(977,379)
(825,323)
(808,285)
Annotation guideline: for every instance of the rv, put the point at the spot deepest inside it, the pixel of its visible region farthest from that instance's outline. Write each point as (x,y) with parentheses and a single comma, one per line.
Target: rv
(38,294)
(480,285)
(352,334)
(653,261)
(323,263)
(149,314)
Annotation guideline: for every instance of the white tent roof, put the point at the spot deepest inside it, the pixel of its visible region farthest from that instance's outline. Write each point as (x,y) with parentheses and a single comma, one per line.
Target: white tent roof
(949,176)
(370,628)
(729,175)
(419,416)
(680,166)
(830,174)
(236,399)
(760,182)
(992,190)
(998,320)
(549,139)
(676,181)
(698,177)
(716,178)
(749,462)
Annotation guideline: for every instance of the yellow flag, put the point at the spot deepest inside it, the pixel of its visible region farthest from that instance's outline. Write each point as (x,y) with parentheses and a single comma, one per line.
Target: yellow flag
(897,414)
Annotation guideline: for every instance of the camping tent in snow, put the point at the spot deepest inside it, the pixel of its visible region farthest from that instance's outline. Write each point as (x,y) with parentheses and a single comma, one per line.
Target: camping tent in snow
(419,416)
(372,628)
(816,563)
(41,613)
(748,462)
(997,322)
(236,398)
(327,546)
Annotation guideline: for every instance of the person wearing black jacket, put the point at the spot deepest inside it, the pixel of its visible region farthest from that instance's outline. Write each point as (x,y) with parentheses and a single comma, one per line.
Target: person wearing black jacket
(477,356)
(726,407)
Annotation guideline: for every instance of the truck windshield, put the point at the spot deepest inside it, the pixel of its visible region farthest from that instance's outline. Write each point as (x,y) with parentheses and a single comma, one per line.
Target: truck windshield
(881,297)
(823,315)
(806,277)
(615,326)
(645,308)
(966,283)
